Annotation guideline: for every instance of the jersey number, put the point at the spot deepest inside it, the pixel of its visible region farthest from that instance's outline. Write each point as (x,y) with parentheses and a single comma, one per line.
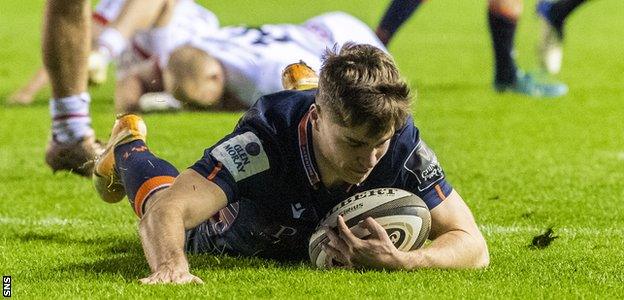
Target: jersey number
(263,37)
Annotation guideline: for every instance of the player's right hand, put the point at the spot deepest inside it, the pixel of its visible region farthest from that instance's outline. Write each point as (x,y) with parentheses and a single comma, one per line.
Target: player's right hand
(169,275)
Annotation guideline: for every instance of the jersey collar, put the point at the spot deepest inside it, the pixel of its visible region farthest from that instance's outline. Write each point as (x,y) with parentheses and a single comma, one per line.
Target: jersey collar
(305,151)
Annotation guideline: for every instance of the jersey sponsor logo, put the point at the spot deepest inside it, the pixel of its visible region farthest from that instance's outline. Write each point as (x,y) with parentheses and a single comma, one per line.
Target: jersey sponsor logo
(242,155)
(423,164)
(253,148)
(283,231)
(357,204)
(297,210)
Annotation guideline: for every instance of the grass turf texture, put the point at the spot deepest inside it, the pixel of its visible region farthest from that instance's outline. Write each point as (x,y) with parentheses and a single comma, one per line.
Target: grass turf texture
(522,165)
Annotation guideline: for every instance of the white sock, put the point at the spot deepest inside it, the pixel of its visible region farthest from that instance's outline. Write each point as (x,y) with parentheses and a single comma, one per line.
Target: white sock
(111,42)
(70,118)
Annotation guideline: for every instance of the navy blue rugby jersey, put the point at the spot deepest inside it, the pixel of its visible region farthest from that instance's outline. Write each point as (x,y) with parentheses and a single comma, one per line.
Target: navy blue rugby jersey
(267,169)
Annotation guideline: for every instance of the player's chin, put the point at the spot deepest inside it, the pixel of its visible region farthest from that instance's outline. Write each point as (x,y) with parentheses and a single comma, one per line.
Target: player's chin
(354,177)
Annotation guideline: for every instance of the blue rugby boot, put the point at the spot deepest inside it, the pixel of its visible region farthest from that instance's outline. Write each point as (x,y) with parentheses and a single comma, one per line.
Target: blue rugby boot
(530,85)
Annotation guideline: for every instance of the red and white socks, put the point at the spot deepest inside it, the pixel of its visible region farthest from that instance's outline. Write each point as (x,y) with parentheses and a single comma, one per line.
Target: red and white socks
(71,121)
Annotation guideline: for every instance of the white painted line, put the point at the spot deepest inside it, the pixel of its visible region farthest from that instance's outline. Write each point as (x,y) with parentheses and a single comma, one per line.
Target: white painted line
(487,229)
(45,222)
(568,231)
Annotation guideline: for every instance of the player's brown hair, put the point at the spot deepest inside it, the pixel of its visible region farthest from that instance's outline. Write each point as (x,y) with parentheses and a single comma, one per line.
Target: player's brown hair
(361,85)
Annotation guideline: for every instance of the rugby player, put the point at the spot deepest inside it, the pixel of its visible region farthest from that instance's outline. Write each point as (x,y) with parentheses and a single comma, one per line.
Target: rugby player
(142,34)
(231,67)
(261,190)
(502,18)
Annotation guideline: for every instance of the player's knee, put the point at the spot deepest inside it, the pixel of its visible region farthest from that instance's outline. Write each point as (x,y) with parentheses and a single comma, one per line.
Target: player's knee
(194,77)
(509,8)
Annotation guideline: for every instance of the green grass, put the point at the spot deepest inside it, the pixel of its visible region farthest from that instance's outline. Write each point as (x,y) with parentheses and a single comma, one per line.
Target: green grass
(522,165)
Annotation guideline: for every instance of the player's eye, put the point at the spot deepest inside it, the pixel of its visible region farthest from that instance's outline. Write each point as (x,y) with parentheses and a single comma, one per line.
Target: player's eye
(354,144)
(382,143)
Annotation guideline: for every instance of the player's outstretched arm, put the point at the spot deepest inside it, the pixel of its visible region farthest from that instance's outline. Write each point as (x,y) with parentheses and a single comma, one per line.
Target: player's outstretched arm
(457,242)
(189,201)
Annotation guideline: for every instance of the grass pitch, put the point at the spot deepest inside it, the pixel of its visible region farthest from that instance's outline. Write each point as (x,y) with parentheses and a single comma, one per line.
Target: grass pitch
(522,165)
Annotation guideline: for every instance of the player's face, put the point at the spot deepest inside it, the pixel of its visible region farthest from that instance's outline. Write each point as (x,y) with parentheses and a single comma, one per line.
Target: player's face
(351,153)
(202,89)
(210,84)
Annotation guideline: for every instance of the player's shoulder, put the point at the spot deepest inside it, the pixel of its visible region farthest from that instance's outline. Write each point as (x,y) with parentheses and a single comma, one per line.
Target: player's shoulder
(406,138)
(415,159)
(279,111)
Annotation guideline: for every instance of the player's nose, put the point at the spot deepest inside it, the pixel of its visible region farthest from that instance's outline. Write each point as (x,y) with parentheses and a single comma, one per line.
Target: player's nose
(369,159)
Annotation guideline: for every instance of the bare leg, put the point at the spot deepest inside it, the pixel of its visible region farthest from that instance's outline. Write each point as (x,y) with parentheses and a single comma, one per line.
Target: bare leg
(66,36)
(141,14)
(66,33)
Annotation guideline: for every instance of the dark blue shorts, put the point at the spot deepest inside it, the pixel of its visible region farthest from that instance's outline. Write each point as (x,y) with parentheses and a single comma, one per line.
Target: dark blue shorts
(241,229)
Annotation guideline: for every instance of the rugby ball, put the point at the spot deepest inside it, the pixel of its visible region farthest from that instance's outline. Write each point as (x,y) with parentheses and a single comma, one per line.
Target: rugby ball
(403,215)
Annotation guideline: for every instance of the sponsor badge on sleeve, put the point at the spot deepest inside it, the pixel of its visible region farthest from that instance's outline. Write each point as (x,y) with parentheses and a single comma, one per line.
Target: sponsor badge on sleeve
(243,155)
(423,164)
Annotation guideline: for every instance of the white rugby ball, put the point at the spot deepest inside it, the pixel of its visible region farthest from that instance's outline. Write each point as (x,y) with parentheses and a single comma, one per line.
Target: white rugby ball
(403,215)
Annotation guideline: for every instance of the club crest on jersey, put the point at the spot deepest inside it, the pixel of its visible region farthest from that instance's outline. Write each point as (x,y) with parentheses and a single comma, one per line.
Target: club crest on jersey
(423,164)
(242,155)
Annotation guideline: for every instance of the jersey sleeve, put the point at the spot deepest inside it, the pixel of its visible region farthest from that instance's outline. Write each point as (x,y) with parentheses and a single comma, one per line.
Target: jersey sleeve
(424,175)
(239,157)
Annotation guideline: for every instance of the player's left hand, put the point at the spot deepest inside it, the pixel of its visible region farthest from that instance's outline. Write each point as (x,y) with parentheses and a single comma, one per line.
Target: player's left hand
(377,251)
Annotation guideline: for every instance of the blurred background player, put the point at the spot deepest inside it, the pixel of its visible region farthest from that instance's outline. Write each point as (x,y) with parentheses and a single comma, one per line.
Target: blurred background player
(141,36)
(502,19)
(218,69)
(65,50)
(232,67)
(114,23)
(553,14)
